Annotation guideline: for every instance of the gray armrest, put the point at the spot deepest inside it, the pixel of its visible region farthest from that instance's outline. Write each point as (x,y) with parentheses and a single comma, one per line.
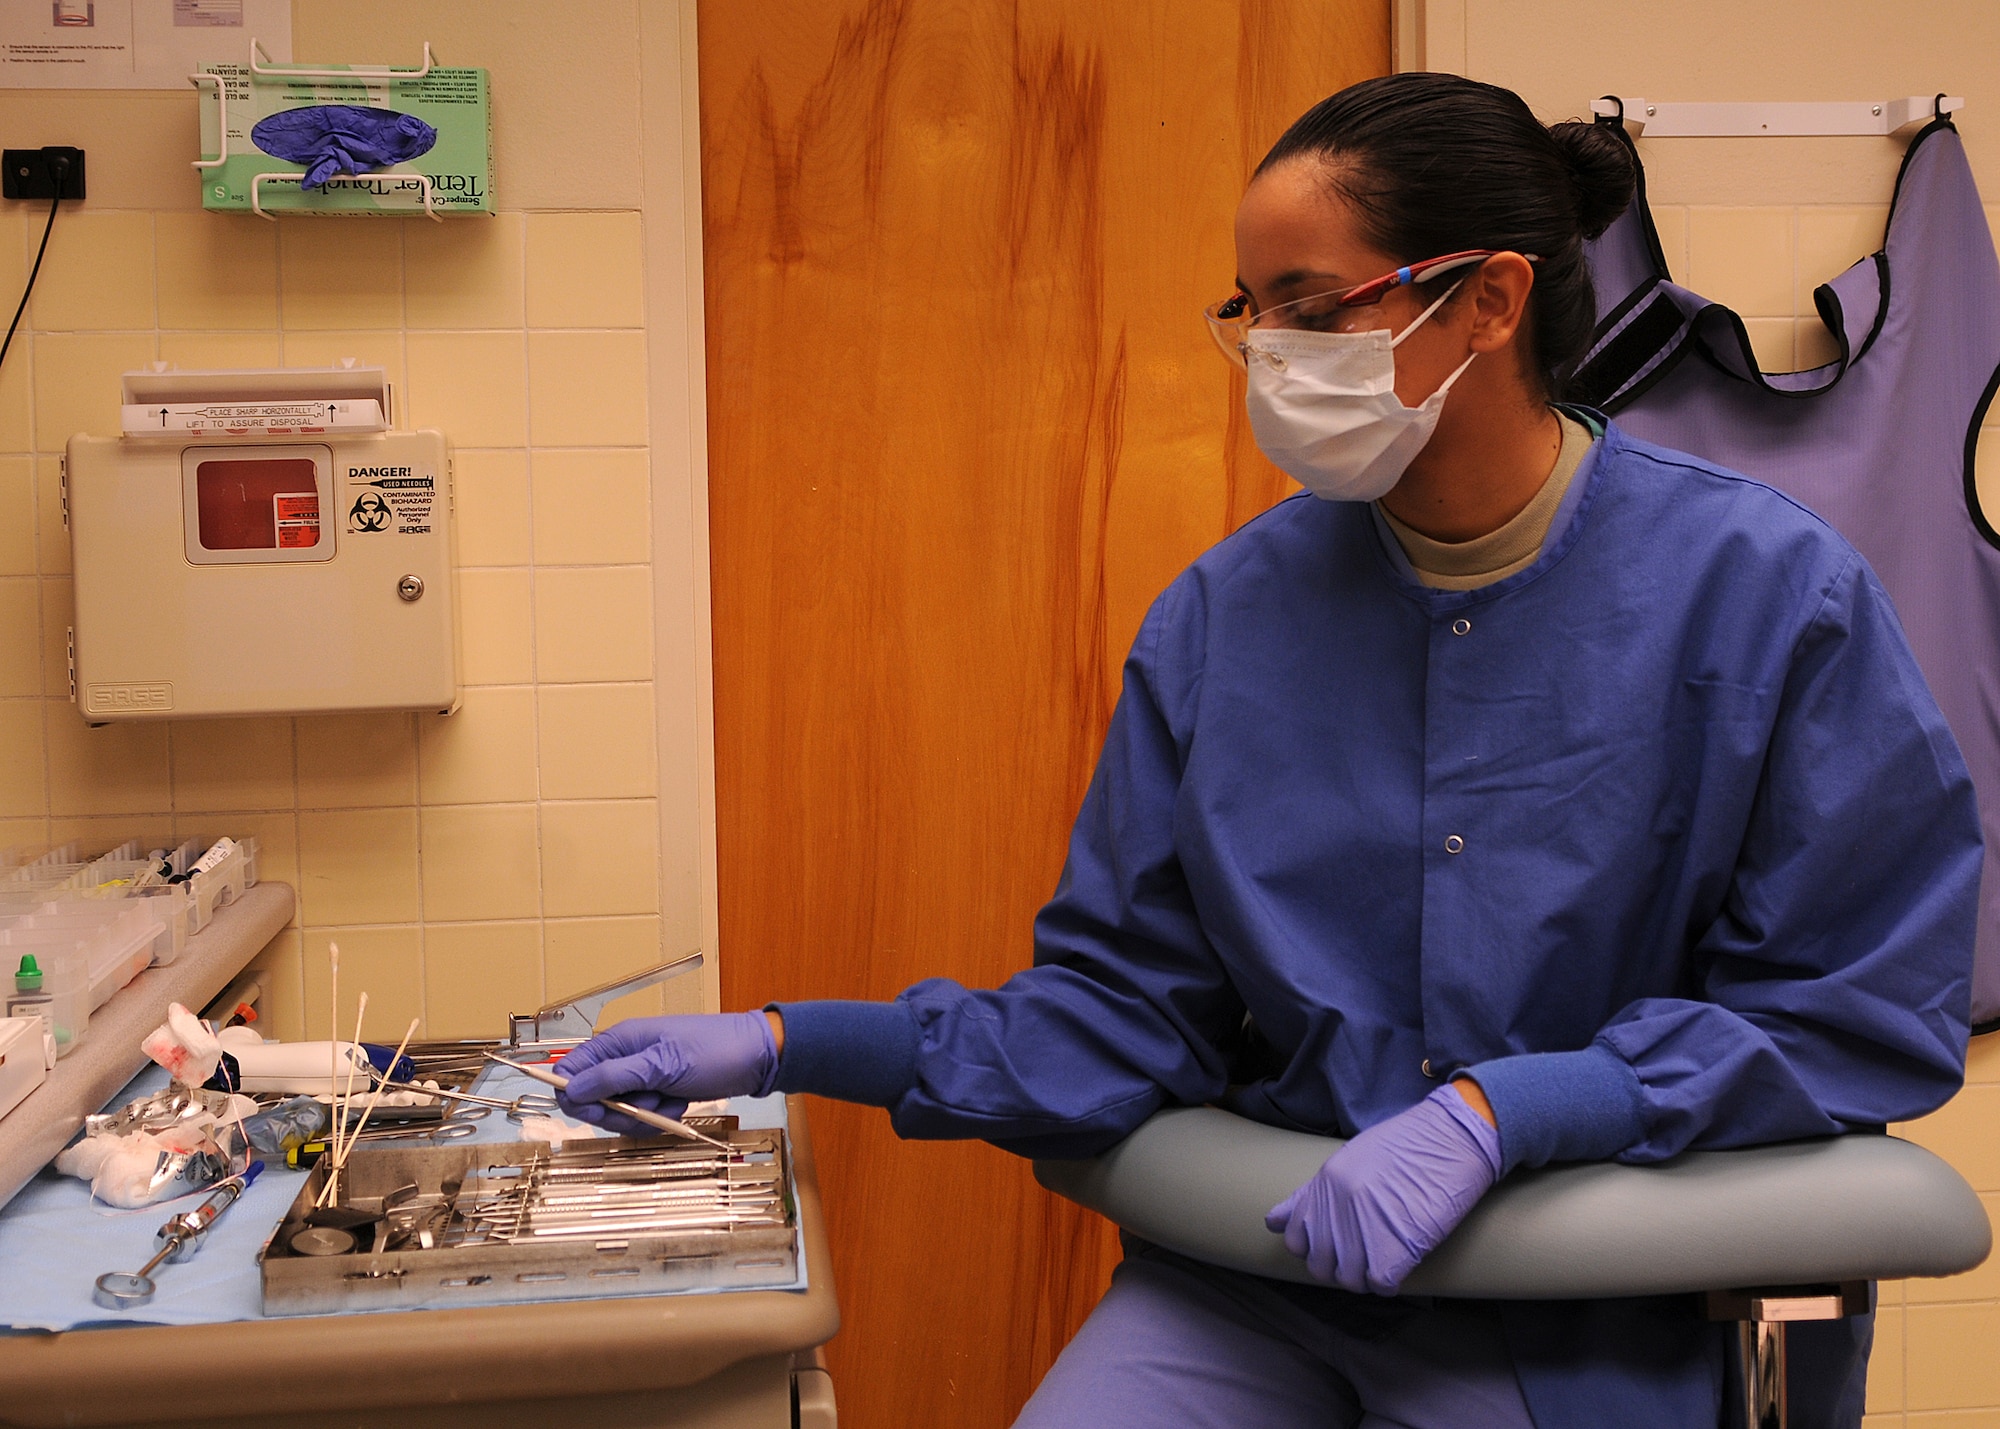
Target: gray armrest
(1198,1181)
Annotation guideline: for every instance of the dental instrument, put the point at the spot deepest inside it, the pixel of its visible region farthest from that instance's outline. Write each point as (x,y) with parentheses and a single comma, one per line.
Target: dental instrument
(561,1025)
(622,1188)
(487,1223)
(303,1157)
(180,1238)
(639,1114)
(526,1105)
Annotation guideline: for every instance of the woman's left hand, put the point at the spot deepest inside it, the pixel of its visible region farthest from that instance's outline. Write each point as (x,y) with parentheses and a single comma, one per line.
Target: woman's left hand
(1391,1195)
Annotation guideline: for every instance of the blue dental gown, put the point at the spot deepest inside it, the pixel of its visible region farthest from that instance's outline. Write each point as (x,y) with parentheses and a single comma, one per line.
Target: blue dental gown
(1676,791)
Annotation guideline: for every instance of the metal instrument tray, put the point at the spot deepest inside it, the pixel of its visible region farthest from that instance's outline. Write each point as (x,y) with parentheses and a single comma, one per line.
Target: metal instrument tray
(756,1249)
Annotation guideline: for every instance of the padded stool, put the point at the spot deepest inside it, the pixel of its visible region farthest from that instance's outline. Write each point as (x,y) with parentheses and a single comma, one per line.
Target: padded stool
(1769,1234)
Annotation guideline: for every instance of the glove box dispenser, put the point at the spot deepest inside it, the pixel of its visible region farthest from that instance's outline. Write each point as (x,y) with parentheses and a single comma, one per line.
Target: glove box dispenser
(260,543)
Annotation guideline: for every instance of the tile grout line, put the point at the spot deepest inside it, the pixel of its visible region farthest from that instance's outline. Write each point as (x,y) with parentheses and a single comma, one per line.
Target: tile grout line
(1793,325)
(30,330)
(534,642)
(1902,1357)
(403,359)
(298,842)
(45,677)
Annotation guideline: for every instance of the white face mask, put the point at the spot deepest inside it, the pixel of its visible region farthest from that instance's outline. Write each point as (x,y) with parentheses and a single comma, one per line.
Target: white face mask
(1323,407)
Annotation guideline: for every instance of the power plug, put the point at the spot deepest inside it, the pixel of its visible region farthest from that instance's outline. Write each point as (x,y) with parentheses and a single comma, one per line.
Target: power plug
(32,173)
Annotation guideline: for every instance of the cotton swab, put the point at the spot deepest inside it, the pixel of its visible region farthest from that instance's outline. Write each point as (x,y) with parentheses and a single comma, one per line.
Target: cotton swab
(333,1046)
(345,1107)
(342,1105)
(637,1113)
(375,1098)
(333,1029)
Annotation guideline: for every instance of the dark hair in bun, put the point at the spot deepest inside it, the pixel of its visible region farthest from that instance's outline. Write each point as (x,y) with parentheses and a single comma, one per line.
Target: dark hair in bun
(1600,167)
(1436,164)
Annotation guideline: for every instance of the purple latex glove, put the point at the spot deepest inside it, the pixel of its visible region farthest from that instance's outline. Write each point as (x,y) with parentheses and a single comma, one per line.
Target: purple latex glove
(663,1063)
(335,139)
(1391,1195)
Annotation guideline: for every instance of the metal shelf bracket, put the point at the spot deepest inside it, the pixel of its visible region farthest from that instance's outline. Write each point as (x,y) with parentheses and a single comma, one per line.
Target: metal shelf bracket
(1664,119)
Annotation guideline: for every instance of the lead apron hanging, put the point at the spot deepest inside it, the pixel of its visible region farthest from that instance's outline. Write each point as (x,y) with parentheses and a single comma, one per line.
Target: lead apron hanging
(1880,441)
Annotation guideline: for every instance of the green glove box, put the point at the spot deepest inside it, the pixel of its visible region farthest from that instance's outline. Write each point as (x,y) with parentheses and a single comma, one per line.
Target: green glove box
(454,177)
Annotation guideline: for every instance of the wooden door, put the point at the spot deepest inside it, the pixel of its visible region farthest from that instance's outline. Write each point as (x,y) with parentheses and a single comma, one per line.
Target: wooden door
(965,422)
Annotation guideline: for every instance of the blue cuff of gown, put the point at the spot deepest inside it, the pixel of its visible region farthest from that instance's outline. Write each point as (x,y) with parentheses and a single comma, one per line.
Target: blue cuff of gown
(1562,1106)
(853,1051)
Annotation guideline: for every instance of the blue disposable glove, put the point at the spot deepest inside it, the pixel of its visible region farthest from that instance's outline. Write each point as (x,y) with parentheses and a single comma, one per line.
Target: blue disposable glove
(663,1063)
(1391,1195)
(335,139)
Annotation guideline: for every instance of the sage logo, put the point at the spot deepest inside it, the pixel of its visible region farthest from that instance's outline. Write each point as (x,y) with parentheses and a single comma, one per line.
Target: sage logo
(122,698)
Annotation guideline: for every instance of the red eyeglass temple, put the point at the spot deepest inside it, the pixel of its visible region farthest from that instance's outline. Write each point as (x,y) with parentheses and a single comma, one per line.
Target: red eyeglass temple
(1375,290)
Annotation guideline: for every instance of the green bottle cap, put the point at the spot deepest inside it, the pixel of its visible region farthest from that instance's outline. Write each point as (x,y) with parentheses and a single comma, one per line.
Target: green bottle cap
(28,977)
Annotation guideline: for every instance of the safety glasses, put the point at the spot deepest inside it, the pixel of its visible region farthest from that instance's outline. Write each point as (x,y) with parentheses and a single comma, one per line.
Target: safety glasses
(1355,309)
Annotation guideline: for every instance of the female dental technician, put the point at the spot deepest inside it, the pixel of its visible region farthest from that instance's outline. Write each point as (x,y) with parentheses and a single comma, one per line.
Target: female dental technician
(1519,793)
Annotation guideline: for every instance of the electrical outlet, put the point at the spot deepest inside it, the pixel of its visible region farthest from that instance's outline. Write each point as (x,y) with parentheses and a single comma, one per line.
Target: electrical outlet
(30,173)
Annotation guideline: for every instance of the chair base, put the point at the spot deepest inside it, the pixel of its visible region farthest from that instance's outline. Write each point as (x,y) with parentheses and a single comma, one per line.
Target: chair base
(1761,1315)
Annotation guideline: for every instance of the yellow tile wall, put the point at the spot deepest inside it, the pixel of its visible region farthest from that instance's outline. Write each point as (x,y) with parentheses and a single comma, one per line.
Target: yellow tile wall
(1945,1374)
(1765,263)
(468,865)
(1934,1365)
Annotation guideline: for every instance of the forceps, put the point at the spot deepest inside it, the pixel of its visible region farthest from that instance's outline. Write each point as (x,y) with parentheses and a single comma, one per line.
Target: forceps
(519,1109)
(640,1114)
(456,1129)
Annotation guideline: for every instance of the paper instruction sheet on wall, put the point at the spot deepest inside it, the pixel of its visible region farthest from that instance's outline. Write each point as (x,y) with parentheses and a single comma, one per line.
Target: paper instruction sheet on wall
(132,44)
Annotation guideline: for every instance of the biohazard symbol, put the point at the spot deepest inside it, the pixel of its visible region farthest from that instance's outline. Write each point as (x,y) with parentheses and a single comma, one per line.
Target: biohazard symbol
(369,513)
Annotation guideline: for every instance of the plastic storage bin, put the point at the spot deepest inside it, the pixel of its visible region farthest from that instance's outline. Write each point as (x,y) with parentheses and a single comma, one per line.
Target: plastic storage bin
(26,1055)
(95,919)
(118,939)
(55,986)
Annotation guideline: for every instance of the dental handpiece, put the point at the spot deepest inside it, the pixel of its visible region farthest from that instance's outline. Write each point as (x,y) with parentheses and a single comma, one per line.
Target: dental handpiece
(637,1113)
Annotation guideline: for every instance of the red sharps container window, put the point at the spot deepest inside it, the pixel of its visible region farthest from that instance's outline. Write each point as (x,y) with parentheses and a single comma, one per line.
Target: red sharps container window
(261,505)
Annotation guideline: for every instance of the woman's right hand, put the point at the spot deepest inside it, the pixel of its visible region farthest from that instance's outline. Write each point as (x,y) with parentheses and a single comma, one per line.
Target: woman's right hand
(663,1063)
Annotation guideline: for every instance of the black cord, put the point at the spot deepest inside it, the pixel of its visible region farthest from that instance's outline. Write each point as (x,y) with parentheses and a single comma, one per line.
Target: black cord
(60,168)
